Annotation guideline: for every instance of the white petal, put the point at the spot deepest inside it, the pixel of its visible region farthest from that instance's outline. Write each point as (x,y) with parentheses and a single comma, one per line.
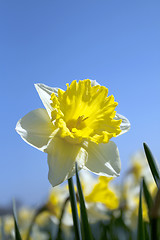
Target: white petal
(94,83)
(103,159)
(96,212)
(125,125)
(61,160)
(67,219)
(88,179)
(45,94)
(35,128)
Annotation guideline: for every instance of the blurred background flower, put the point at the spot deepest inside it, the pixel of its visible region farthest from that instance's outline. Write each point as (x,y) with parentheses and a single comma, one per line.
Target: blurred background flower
(138,168)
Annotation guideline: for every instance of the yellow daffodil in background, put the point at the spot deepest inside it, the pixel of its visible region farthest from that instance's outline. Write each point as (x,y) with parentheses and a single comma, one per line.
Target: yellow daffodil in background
(99,198)
(37,234)
(103,194)
(56,200)
(140,168)
(8,222)
(76,126)
(131,188)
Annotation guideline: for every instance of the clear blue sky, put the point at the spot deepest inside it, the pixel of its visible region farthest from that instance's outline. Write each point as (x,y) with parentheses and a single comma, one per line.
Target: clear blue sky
(54,42)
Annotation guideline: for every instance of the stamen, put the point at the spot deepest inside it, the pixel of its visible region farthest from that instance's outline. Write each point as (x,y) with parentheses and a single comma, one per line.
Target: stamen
(81,102)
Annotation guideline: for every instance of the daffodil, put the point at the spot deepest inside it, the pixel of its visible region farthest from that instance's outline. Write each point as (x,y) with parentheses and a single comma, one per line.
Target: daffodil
(101,193)
(140,168)
(76,126)
(99,197)
(131,188)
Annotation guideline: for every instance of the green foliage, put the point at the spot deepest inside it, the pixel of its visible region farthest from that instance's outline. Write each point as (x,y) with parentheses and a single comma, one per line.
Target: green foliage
(115,228)
(153,205)
(73,201)
(147,195)
(116,224)
(140,228)
(17,232)
(2,230)
(84,219)
(153,165)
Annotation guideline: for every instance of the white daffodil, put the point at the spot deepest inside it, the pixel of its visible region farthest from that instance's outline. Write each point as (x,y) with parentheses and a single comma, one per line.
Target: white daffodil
(76,126)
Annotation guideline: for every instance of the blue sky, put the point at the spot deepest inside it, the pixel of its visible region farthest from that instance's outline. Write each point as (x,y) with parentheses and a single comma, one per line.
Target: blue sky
(54,42)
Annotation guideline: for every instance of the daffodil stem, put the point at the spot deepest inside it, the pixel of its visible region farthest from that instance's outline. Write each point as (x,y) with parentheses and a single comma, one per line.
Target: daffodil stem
(73,201)
(84,217)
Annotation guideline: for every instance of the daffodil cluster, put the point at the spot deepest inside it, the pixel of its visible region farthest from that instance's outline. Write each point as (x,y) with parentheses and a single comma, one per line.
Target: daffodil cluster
(111,206)
(100,198)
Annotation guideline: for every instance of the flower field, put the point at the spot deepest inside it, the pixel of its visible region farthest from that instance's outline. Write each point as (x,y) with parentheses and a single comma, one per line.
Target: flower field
(126,210)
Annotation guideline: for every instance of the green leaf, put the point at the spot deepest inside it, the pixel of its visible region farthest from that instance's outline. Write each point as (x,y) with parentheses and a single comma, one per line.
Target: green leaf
(153,165)
(147,195)
(147,231)
(73,201)
(140,227)
(2,229)
(59,232)
(154,217)
(85,224)
(17,232)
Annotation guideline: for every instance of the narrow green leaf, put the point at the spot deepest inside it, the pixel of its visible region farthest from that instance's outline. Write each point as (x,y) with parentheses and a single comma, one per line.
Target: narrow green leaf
(154,216)
(85,224)
(147,231)
(154,229)
(153,165)
(147,195)
(17,232)
(73,201)
(59,232)
(2,229)
(140,227)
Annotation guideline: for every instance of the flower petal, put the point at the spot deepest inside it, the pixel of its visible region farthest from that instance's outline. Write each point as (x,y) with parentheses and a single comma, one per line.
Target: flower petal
(35,128)
(61,160)
(45,94)
(96,212)
(103,159)
(125,125)
(94,83)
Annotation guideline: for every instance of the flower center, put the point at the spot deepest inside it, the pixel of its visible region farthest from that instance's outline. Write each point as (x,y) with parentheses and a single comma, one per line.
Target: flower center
(78,123)
(85,113)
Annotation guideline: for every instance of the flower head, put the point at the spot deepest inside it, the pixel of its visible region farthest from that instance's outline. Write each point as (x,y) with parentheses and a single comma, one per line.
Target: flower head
(76,126)
(103,194)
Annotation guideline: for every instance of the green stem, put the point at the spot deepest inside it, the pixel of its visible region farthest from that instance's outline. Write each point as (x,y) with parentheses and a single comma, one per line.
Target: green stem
(84,217)
(74,210)
(154,214)
(154,235)
(60,220)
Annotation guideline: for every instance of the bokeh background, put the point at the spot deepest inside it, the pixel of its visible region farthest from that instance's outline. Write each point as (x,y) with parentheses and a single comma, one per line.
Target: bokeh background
(116,42)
